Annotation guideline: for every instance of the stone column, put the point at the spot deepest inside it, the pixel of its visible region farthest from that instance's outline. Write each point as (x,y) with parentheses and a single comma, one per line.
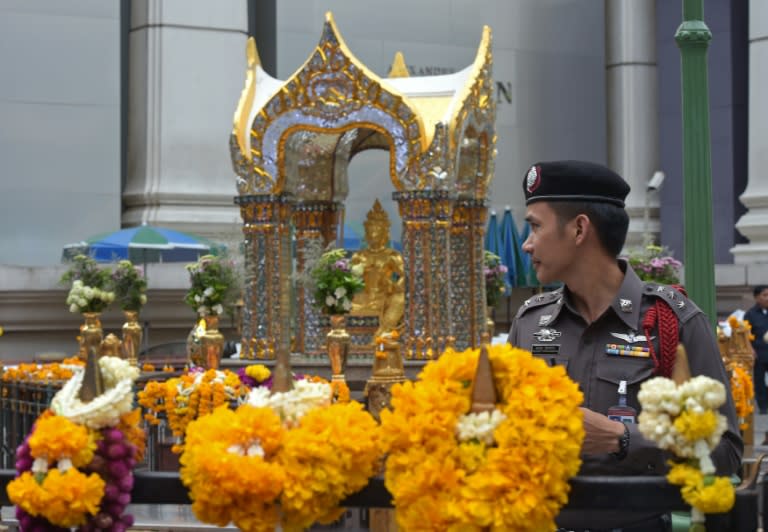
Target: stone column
(426,253)
(186,74)
(467,277)
(631,77)
(754,223)
(315,223)
(267,308)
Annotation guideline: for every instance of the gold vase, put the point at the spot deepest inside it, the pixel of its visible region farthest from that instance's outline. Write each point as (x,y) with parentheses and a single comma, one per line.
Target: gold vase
(91,334)
(211,343)
(338,347)
(131,337)
(490,326)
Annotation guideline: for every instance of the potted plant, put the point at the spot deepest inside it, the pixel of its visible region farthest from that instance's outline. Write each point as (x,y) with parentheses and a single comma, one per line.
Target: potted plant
(130,287)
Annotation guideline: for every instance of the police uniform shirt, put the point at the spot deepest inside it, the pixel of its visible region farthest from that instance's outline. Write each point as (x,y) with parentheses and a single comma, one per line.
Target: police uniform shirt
(549,326)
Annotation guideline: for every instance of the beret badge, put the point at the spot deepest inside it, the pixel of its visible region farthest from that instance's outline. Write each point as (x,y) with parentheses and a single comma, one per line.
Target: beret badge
(533,179)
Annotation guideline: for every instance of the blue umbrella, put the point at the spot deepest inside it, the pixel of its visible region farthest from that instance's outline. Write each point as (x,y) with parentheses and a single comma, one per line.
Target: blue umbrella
(143,244)
(511,253)
(492,240)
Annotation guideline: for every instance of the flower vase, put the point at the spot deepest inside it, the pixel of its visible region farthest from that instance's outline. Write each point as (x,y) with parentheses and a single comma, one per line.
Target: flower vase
(131,337)
(91,334)
(338,347)
(211,343)
(490,326)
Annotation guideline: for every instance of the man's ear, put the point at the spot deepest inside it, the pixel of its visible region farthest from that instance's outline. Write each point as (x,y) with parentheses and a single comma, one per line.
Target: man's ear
(581,226)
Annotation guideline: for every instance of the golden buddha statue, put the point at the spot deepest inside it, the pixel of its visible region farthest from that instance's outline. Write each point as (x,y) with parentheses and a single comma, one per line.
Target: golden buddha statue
(383,272)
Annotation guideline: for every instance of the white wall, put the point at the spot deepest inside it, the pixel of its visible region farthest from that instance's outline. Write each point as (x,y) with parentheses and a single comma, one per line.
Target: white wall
(550,52)
(60,134)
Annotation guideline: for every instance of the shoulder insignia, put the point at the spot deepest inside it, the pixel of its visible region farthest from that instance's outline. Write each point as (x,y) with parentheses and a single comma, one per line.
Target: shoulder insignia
(683,307)
(540,300)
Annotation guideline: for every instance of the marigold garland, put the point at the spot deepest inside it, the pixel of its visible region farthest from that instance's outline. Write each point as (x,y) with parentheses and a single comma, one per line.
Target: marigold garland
(188,397)
(248,467)
(74,468)
(743,394)
(53,371)
(520,483)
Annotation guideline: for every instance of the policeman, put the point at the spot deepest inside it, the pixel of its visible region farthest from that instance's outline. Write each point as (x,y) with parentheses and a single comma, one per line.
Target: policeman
(605,325)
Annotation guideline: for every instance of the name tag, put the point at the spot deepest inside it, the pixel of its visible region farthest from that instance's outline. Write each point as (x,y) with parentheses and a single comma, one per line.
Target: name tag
(545,349)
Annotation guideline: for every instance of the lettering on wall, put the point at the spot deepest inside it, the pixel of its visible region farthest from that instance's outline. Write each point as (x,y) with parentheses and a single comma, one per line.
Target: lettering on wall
(503,92)
(503,88)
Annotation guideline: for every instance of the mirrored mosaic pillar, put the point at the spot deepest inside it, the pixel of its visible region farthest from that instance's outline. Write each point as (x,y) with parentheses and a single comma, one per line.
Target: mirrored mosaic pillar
(315,223)
(426,252)
(267,309)
(467,278)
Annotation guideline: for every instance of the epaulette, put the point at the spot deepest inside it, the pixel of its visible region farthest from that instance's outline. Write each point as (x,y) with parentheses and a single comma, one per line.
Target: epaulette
(683,307)
(539,300)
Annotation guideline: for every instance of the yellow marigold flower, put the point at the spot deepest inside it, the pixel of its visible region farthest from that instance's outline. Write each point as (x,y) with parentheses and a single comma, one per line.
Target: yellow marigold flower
(56,437)
(130,425)
(683,474)
(65,499)
(258,372)
(76,496)
(743,394)
(715,497)
(441,484)
(695,426)
(244,466)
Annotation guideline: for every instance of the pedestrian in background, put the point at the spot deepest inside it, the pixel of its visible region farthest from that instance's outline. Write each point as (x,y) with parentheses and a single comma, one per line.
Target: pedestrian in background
(757,316)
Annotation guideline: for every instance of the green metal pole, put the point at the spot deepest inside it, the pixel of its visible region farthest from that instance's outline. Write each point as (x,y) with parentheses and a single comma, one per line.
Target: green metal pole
(693,38)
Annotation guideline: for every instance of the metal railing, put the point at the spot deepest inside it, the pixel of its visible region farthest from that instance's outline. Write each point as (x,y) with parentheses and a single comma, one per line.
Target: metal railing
(646,494)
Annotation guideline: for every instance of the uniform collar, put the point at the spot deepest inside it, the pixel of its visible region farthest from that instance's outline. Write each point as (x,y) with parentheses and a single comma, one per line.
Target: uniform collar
(626,304)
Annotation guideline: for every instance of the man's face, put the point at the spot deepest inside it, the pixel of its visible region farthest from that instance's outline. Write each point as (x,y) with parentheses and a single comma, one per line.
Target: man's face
(551,252)
(762,298)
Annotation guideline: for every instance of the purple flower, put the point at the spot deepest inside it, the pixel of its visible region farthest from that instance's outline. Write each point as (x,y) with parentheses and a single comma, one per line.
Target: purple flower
(245,379)
(342,264)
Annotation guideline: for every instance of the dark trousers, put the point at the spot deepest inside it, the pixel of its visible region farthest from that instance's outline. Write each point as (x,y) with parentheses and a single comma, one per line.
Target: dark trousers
(761,392)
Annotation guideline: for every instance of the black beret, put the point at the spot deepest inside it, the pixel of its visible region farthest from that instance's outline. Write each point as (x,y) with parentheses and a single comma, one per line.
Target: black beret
(574,181)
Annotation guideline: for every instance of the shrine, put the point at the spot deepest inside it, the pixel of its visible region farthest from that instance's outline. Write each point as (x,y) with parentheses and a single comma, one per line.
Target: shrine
(291,145)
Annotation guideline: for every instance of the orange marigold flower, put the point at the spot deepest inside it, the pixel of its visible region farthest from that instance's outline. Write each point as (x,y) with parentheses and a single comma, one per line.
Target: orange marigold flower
(56,438)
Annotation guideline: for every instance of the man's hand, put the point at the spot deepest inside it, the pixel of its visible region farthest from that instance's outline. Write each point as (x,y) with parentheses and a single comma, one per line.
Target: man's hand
(601,435)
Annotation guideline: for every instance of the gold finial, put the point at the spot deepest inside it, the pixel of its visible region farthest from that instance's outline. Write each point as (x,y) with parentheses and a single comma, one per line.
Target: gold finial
(399,69)
(484,394)
(93,384)
(251,53)
(240,120)
(377,214)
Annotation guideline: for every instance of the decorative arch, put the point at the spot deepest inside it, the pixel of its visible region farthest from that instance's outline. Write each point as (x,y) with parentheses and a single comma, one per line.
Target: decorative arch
(334,92)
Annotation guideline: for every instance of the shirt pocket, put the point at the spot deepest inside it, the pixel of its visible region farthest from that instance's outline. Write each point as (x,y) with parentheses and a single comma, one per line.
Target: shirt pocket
(553,359)
(613,370)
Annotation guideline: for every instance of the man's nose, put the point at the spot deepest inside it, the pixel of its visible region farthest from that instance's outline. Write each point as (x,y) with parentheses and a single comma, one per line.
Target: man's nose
(527,245)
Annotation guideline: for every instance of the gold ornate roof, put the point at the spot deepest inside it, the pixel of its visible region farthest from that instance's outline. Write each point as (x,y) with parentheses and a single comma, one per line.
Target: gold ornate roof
(288,133)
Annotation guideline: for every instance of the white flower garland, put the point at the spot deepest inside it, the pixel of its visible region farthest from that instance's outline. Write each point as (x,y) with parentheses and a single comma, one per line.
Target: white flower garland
(662,401)
(479,426)
(104,410)
(292,405)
